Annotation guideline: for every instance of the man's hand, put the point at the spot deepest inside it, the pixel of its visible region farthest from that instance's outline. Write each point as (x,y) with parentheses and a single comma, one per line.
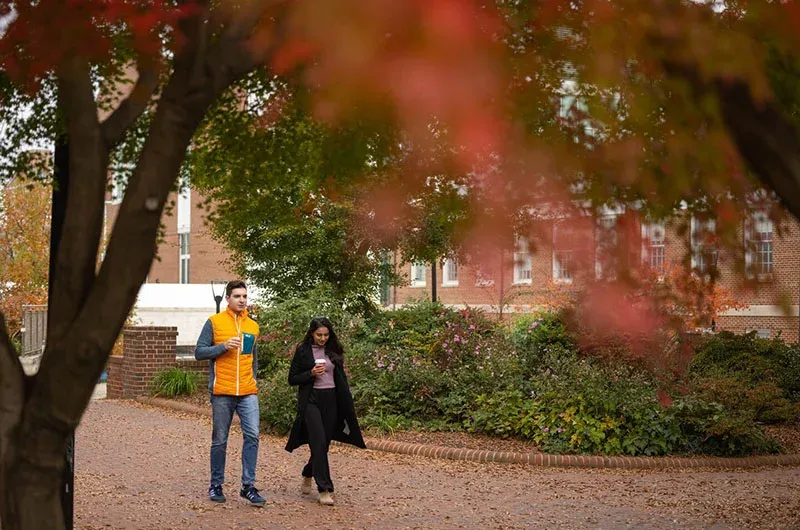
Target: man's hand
(233,343)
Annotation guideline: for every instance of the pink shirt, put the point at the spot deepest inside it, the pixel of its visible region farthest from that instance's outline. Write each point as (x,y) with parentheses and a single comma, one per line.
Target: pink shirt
(325,380)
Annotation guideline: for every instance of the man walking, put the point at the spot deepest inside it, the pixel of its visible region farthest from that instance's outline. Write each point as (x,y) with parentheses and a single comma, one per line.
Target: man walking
(228,340)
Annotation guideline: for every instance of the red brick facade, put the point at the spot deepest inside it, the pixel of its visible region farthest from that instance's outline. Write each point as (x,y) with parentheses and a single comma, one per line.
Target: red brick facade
(771,299)
(768,297)
(146,351)
(206,255)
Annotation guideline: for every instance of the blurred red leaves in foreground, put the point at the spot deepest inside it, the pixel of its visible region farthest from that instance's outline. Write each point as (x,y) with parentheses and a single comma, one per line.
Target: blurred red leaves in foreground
(46,34)
(478,90)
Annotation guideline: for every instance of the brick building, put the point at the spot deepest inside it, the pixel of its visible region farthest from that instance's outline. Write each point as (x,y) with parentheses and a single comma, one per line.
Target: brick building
(519,280)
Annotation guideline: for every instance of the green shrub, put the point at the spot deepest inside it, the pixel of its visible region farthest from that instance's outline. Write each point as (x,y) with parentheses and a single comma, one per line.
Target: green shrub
(384,422)
(284,325)
(532,336)
(16,342)
(277,401)
(755,379)
(577,405)
(788,360)
(426,366)
(706,427)
(761,402)
(427,363)
(175,382)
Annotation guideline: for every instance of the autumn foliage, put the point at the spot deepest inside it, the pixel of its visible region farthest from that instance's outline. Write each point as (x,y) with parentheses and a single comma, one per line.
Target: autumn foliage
(24,248)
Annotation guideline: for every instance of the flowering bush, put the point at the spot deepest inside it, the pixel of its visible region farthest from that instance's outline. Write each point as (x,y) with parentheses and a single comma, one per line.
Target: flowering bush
(426,366)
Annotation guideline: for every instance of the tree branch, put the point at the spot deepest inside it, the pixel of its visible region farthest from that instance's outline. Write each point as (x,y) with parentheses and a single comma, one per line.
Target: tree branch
(76,260)
(236,53)
(114,127)
(767,141)
(189,61)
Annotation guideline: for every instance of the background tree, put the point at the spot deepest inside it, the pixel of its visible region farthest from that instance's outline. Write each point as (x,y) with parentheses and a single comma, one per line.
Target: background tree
(24,240)
(276,185)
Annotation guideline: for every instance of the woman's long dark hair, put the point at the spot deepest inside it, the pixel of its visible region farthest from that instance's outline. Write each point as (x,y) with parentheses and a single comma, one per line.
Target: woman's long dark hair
(333,347)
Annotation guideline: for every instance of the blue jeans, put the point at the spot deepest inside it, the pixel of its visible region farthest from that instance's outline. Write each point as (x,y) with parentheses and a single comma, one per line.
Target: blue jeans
(222,408)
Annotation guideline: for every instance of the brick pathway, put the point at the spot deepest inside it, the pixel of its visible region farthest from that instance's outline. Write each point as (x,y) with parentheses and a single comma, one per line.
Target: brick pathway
(141,467)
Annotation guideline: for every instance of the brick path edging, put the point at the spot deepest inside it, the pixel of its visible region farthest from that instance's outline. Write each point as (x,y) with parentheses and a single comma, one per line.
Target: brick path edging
(537,459)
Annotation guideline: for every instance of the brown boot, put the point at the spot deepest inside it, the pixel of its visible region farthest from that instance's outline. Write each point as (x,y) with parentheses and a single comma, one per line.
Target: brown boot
(305,487)
(326,498)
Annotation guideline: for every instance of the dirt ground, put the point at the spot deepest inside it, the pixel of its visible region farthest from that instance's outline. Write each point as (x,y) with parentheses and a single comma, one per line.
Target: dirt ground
(141,467)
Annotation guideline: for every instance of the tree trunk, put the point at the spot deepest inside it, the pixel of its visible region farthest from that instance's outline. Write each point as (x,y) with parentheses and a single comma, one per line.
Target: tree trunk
(59,209)
(73,362)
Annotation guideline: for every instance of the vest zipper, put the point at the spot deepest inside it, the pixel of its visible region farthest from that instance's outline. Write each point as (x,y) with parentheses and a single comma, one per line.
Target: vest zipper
(239,352)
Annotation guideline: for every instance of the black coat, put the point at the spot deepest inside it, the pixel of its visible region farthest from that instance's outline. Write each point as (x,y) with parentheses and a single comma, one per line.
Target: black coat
(347,429)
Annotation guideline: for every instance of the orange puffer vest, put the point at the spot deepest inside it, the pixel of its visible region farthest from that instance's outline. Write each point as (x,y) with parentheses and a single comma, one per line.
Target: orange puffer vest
(233,371)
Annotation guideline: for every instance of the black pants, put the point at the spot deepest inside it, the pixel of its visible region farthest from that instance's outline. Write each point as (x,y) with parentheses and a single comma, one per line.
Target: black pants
(320,418)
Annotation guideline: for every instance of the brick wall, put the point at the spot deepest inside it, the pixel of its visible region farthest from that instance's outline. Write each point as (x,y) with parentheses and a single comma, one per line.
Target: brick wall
(785,325)
(146,351)
(115,371)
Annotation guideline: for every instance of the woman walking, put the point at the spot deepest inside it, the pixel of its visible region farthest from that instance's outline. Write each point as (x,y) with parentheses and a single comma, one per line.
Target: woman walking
(325,408)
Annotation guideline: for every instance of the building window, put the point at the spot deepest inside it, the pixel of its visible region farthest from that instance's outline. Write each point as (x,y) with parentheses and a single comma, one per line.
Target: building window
(184,258)
(562,253)
(760,333)
(759,234)
(704,248)
(653,246)
(418,272)
(449,272)
(184,211)
(523,263)
(605,247)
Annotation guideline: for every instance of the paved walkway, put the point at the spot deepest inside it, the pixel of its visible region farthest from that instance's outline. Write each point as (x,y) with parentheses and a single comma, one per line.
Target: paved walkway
(141,467)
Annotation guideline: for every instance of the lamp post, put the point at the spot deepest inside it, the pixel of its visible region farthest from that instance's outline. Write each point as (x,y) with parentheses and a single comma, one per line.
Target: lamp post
(218,297)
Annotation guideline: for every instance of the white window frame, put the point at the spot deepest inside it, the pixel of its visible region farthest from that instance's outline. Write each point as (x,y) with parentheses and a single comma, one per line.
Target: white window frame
(184,211)
(559,265)
(184,257)
(449,273)
(606,226)
(700,227)
(523,263)
(654,248)
(754,246)
(419,274)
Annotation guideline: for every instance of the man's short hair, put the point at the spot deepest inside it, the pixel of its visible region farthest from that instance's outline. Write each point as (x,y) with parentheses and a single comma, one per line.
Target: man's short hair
(234,284)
